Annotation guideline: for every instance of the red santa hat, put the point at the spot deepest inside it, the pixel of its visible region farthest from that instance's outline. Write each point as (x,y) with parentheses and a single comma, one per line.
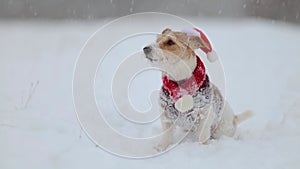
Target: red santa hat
(210,53)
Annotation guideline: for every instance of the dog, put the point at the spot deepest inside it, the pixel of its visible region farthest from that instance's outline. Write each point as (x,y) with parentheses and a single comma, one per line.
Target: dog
(188,99)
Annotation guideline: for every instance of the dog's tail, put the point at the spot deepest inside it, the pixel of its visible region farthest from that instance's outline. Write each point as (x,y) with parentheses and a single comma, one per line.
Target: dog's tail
(242,117)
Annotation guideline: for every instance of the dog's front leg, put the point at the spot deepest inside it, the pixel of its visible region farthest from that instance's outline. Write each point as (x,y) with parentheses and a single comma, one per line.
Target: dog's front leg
(167,138)
(204,129)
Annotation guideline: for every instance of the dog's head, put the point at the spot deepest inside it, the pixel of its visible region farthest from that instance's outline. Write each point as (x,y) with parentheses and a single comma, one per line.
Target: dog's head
(173,52)
(170,45)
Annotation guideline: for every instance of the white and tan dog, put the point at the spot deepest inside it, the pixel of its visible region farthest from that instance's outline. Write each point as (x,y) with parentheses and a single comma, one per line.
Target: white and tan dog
(187,98)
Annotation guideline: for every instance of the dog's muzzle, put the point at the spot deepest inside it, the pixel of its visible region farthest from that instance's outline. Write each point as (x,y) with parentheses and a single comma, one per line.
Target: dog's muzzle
(147,50)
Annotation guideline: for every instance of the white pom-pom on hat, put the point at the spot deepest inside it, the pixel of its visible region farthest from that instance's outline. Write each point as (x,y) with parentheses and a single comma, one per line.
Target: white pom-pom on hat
(212,56)
(210,53)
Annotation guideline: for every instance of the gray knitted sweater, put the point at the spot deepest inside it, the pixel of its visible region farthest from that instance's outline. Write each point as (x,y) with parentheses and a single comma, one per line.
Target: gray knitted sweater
(206,96)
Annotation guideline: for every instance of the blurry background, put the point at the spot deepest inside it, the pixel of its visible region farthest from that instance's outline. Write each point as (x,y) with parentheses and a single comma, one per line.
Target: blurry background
(286,10)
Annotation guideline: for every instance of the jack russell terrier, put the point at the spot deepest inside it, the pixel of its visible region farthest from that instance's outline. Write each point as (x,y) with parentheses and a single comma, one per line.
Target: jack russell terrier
(187,98)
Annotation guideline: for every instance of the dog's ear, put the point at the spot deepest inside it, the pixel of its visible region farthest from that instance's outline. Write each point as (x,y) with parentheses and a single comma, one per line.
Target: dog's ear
(196,42)
(166,30)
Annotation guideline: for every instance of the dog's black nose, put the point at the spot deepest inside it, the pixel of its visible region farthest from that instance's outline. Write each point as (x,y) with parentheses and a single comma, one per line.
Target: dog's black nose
(147,49)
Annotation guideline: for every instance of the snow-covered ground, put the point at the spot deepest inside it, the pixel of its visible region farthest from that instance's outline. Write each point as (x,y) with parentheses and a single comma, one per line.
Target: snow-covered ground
(38,124)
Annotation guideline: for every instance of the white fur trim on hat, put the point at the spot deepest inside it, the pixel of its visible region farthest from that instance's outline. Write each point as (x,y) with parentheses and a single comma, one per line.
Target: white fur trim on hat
(212,56)
(190,32)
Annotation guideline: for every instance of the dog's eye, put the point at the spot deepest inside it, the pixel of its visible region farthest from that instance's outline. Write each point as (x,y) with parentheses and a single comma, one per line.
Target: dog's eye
(170,42)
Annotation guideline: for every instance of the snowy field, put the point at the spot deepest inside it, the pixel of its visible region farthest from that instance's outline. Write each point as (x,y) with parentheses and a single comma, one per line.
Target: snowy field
(39,127)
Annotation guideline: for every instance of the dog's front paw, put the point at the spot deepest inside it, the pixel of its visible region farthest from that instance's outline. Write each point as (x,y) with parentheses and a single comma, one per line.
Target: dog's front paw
(205,142)
(161,147)
(204,137)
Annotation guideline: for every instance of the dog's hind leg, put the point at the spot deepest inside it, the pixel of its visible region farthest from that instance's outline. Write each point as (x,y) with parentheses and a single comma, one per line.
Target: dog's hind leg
(226,126)
(229,122)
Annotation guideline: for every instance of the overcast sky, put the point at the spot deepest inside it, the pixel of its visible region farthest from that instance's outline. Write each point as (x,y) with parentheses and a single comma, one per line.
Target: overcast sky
(287,10)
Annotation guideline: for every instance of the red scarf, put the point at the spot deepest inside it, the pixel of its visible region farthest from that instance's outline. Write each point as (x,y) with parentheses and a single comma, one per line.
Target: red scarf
(189,86)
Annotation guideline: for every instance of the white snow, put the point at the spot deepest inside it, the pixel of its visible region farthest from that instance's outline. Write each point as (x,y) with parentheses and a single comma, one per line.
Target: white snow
(38,124)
